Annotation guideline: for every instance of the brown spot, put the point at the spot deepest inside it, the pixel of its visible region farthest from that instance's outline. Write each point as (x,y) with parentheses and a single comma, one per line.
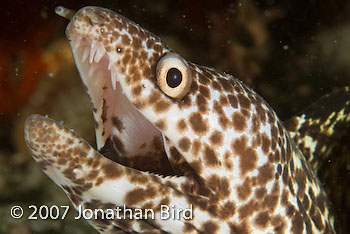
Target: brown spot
(265,143)
(197,166)
(181,125)
(61,161)
(248,156)
(285,197)
(291,124)
(154,97)
(266,174)
(240,228)
(136,43)
(223,120)
(244,101)
(277,158)
(244,190)
(297,223)
(262,114)
(185,102)
(216,138)
(132,29)
(228,160)
(223,100)
(118,123)
(285,175)
(256,140)
(196,147)
(203,79)
(216,85)
(137,178)
(260,192)
(301,181)
(198,124)
(262,219)
(184,144)
(133,74)
(209,227)
(112,170)
(227,210)
(238,121)
(204,91)
(226,85)
(233,101)
(202,103)
(139,195)
(194,87)
(271,118)
(279,224)
(161,124)
(210,157)
(271,201)
(136,91)
(221,185)
(161,106)
(274,132)
(150,42)
(246,113)
(157,48)
(126,58)
(146,71)
(69,174)
(317,219)
(247,209)
(306,202)
(143,55)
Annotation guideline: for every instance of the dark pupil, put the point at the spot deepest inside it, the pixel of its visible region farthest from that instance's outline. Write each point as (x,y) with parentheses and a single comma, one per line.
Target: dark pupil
(173,77)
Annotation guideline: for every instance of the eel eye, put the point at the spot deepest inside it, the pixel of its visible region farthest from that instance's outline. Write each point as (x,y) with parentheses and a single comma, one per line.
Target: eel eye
(173,76)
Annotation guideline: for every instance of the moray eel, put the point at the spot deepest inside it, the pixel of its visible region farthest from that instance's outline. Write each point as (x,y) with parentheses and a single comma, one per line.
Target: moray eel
(173,133)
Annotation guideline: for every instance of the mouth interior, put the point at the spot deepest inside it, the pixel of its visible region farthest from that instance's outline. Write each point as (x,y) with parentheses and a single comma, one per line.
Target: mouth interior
(119,125)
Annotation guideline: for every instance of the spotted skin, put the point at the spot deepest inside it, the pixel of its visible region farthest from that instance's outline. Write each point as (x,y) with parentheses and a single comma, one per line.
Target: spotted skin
(321,132)
(318,129)
(227,153)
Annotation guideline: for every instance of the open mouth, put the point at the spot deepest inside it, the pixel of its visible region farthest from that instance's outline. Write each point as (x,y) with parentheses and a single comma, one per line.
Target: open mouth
(123,134)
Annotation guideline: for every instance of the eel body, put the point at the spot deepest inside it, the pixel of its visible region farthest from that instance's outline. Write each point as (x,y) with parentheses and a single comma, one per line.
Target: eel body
(176,134)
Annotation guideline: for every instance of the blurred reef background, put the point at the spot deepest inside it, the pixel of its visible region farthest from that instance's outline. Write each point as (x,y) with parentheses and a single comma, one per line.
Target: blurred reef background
(290,52)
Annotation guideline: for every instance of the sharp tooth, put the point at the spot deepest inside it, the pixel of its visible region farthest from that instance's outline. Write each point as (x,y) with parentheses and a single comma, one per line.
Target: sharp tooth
(92,70)
(114,78)
(92,51)
(85,54)
(99,54)
(109,65)
(77,42)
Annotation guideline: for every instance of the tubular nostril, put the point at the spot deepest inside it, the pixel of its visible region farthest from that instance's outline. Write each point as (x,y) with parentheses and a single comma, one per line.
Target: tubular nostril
(64,12)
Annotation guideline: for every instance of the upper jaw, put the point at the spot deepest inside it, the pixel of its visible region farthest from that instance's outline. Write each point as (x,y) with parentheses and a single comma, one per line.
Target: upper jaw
(122,131)
(103,45)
